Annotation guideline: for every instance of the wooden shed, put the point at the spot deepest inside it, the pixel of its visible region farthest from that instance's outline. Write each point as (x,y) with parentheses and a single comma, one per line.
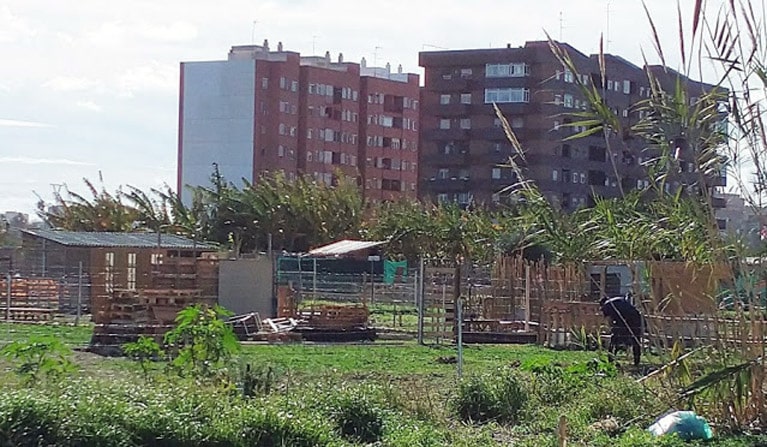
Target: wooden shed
(103,262)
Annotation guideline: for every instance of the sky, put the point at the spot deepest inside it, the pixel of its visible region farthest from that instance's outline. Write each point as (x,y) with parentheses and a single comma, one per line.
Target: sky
(89,88)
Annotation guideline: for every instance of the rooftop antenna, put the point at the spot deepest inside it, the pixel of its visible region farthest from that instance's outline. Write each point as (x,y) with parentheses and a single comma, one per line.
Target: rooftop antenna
(561,25)
(253,33)
(314,43)
(432,46)
(375,56)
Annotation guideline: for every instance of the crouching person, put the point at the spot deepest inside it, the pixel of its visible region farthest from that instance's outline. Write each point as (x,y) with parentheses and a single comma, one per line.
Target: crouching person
(625,325)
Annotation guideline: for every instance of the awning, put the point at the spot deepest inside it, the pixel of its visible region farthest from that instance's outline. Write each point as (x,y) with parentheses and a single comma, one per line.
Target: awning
(344,247)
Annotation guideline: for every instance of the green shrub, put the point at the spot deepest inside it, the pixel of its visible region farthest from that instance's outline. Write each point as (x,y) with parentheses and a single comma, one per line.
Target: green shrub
(143,350)
(201,342)
(358,417)
(257,380)
(499,397)
(38,357)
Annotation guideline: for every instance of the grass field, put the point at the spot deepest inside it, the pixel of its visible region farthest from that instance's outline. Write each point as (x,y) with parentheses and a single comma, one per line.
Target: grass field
(412,391)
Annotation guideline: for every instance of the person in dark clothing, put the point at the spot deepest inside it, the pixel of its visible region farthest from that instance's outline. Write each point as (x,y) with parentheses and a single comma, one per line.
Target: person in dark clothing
(625,324)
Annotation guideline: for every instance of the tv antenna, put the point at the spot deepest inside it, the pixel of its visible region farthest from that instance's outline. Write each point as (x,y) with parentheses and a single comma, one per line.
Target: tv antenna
(253,33)
(314,43)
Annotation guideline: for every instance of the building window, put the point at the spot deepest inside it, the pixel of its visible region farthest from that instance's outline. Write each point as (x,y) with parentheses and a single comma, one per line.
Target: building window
(282,82)
(444,123)
(443,173)
(442,197)
(506,95)
(281,129)
(465,123)
(517,122)
(555,175)
(465,98)
(264,83)
(109,271)
(280,151)
(444,99)
(294,86)
(131,273)
(609,84)
(495,174)
(626,86)
(568,100)
(569,76)
(506,70)
(466,73)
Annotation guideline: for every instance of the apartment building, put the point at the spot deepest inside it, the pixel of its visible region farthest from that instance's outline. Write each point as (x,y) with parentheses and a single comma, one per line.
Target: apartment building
(465,152)
(275,110)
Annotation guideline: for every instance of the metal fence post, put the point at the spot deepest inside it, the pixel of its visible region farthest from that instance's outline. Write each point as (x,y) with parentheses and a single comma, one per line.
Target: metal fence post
(459,318)
(79,293)
(8,280)
(419,292)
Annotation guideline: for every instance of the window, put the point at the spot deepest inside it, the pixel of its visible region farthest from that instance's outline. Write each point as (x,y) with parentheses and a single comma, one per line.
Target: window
(309,134)
(506,95)
(568,100)
(513,70)
(386,121)
(556,125)
(283,82)
(466,73)
(495,174)
(294,86)
(281,129)
(109,271)
(131,273)
(575,177)
(609,84)
(626,86)
(444,123)
(465,98)
(264,83)
(465,123)
(569,76)
(292,131)
(312,89)
(280,151)
(517,122)
(555,175)
(444,99)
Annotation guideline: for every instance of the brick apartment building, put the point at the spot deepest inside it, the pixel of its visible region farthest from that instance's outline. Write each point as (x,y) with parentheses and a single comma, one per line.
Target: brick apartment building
(263,110)
(464,148)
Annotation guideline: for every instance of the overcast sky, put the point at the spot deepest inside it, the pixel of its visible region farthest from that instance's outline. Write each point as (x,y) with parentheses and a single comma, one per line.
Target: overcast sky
(91,86)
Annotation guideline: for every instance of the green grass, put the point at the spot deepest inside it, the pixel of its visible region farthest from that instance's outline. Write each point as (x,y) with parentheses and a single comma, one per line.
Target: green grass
(401,393)
(73,336)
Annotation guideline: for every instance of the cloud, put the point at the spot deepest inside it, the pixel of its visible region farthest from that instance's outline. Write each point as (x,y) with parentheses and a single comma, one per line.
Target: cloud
(89,105)
(14,28)
(152,77)
(44,161)
(19,123)
(174,32)
(70,83)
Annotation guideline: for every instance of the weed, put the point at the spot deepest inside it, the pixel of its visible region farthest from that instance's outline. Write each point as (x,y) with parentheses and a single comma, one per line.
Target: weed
(498,397)
(143,350)
(201,342)
(40,356)
(358,418)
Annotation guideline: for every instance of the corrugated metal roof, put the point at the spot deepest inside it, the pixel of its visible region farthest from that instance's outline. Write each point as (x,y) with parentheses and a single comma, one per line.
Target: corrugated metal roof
(105,239)
(343,247)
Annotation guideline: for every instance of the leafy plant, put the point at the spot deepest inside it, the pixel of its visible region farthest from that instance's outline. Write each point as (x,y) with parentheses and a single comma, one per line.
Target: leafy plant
(499,397)
(257,380)
(358,418)
(40,356)
(201,341)
(143,350)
